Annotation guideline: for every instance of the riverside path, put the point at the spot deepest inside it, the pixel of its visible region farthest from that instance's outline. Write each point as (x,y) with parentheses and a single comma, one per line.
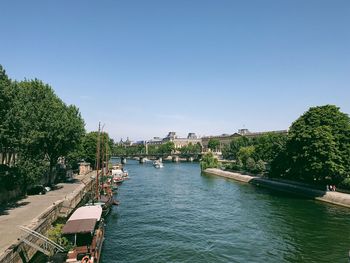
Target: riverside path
(24,211)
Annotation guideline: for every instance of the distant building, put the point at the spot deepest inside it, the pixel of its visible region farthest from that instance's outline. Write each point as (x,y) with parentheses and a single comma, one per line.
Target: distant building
(155,141)
(178,142)
(125,143)
(225,139)
(139,143)
(171,136)
(181,142)
(191,135)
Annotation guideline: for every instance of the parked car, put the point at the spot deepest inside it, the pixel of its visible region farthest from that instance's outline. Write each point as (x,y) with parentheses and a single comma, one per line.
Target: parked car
(36,190)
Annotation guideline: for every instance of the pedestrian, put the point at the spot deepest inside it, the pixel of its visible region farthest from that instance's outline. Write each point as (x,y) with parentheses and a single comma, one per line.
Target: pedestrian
(327,187)
(334,188)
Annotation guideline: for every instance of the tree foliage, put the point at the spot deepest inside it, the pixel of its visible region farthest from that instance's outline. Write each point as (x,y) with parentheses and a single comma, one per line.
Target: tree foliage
(166,148)
(213,144)
(245,153)
(191,149)
(318,147)
(55,234)
(260,166)
(9,121)
(89,147)
(230,152)
(4,107)
(268,146)
(250,164)
(161,149)
(49,128)
(209,161)
(119,150)
(36,128)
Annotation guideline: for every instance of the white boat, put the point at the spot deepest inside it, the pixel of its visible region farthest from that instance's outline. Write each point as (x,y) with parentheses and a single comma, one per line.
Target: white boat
(118,170)
(158,164)
(119,174)
(118,179)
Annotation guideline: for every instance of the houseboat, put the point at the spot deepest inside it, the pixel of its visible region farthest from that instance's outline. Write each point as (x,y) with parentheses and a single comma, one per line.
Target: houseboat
(85,231)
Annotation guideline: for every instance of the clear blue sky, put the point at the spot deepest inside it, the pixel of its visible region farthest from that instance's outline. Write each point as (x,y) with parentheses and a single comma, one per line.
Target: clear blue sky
(148,67)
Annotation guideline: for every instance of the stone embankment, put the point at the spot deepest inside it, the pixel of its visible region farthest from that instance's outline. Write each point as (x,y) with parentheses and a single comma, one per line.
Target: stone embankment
(336,198)
(18,251)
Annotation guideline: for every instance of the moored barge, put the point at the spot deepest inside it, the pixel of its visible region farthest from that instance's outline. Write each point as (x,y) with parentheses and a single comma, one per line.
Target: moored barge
(85,230)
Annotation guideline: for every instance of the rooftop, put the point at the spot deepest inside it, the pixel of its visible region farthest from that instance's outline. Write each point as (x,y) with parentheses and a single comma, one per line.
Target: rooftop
(79,226)
(87,212)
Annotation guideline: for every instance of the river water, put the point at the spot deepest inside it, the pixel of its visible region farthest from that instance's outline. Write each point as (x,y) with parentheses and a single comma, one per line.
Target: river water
(175,214)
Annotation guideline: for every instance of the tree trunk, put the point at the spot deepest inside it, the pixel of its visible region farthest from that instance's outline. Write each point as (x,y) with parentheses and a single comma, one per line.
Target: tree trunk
(50,174)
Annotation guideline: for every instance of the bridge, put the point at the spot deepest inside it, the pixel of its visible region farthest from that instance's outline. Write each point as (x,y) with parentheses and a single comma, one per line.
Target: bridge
(142,157)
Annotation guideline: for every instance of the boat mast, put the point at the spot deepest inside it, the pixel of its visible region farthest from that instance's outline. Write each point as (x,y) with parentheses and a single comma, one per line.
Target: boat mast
(106,159)
(102,152)
(98,161)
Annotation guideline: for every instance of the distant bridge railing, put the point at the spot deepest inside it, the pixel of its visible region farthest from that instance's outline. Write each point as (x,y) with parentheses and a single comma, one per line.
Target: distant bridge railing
(157,156)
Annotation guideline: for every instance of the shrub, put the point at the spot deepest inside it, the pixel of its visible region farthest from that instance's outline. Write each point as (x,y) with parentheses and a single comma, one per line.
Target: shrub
(345,184)
(209,161)
(245,153)
(260,166)
(238,165)
(55,234)
(250,165)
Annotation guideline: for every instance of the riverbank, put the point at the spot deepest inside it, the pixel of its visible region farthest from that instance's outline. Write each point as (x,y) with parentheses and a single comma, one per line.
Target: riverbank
(336,198)
(38,212)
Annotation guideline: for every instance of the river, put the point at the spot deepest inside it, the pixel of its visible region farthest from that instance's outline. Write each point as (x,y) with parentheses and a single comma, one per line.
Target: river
(175,214)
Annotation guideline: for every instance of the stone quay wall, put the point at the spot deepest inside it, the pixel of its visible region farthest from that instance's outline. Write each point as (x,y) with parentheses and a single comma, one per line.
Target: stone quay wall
(336,198)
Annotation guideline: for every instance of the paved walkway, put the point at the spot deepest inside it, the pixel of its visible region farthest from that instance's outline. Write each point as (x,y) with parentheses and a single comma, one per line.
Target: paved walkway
(25,210)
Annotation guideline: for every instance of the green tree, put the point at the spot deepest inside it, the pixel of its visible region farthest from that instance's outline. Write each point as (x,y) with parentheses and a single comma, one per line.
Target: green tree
(89,147)
(209,161)
(268,146)
(49,128)
(9,121)
(191,149)
(230,152)
(237,165)
(260,166)
(318,146)
(119,150)
(36,128)
(4,105)
(245,152)
(166,148)
(213,144)
(153,149)
(139,148)
(32,169)
(279,166)
(250,165)
(162,149)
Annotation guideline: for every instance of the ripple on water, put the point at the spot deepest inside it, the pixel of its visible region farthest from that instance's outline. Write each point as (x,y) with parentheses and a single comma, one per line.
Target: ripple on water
(176,215)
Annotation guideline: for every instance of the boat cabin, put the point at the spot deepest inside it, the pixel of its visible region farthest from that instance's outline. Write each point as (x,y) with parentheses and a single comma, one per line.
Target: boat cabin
(85,231)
